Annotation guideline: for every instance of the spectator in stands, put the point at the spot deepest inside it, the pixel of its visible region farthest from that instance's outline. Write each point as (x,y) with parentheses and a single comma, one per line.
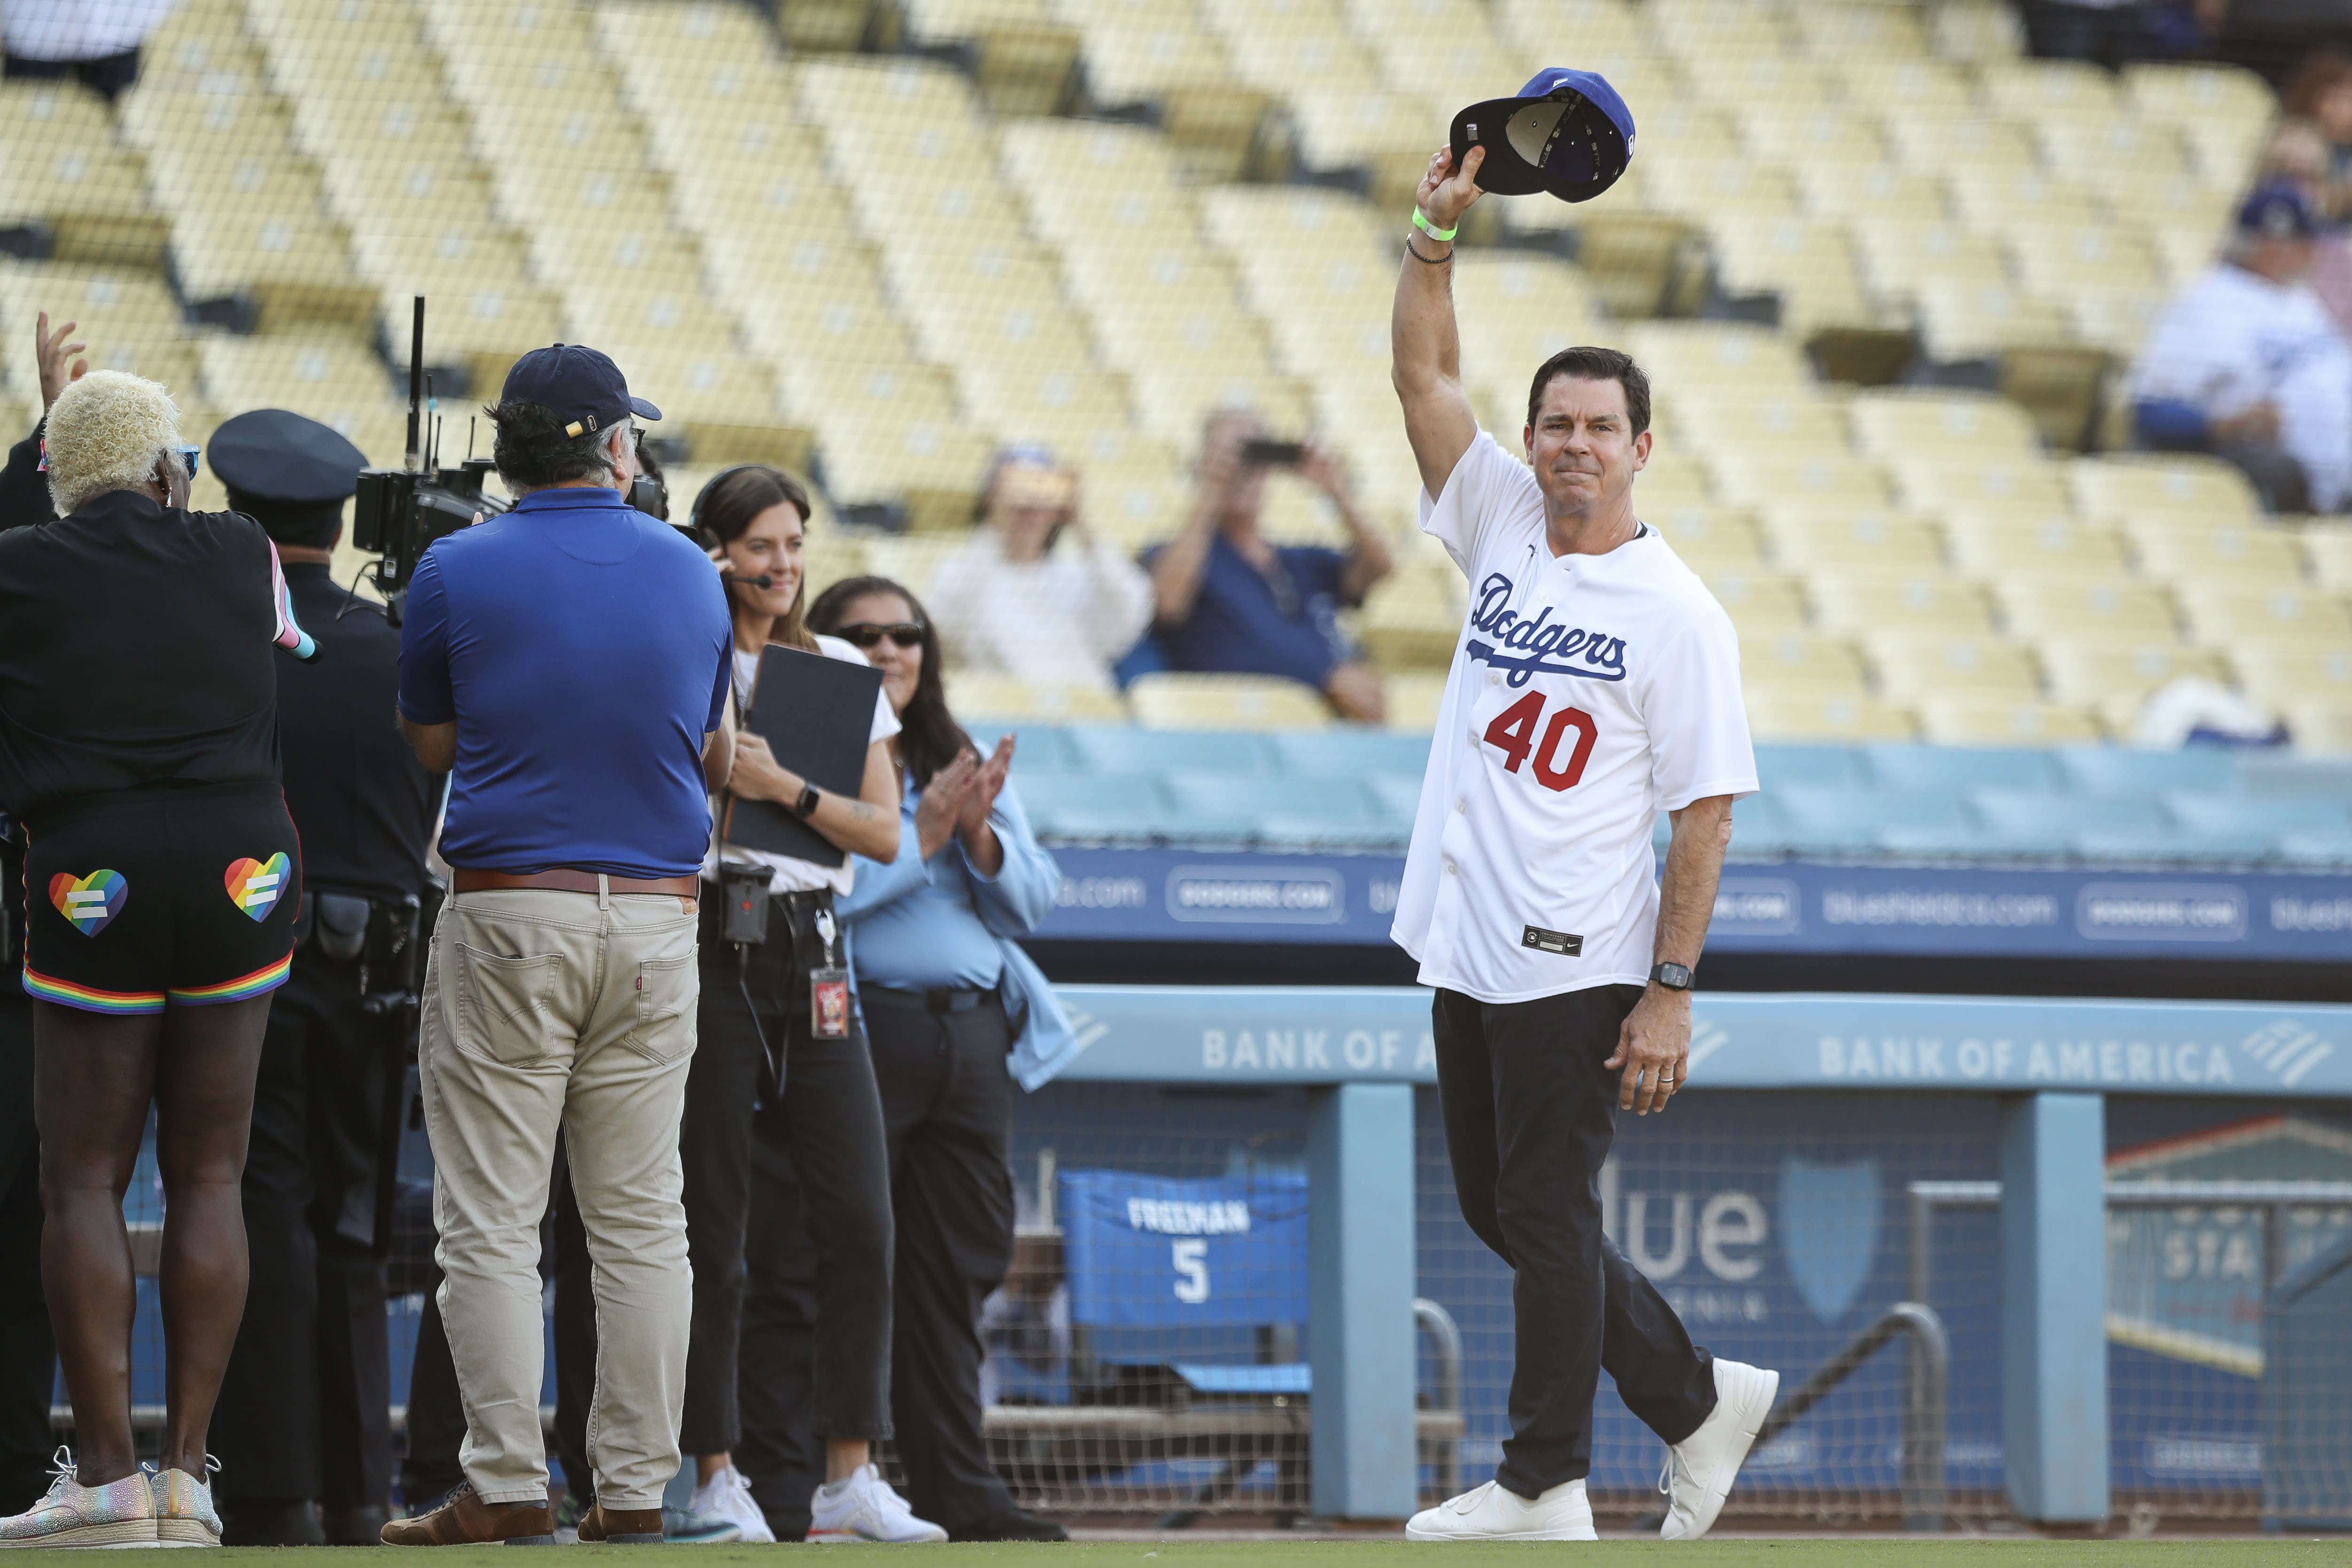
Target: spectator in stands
(1035,594)
(2247,365)
(1226,601)
(2320,94)
(2114,33)
(95,44)
(2299,155)
(956,1013)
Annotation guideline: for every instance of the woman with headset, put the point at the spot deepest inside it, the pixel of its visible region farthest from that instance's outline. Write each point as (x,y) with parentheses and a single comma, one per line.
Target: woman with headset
(139,746)
(827,1120)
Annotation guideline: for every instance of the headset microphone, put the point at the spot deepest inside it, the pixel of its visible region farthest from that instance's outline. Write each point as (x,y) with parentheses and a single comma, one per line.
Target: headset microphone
(761,580)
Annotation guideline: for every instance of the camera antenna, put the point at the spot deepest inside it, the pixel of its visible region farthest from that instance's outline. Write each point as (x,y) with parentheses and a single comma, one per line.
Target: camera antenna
(416,379)
(432,427)
(469,437)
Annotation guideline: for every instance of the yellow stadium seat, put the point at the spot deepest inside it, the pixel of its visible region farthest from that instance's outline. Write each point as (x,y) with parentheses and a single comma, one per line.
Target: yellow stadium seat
(1808,265)
(1680,354)
(2205,556)
(1977,31)
(1412,698)
(1900,88)
(1884,35)
(2113,609)
(1824,479)
(1598,27)
(128,318)
(1709,539)
(1994,545)
(1716,30)
(2030,485)
(2281,672)
(2118,321)
(41,114)
(1936,143)
(1860,601)
(984,694)
(1805,536)
(2328,549)
(1813,131)
(1800,716)
(2322,726)
(1760,603)
(2223,110)
(1920,669)
(1889,421)
(2072,256)
(1889,190)
(1969,720)
(913,563)
(1802,664)
(2127,490)
(2116,676)
(2225,614)
(1965,321)
(1174,701)
(1413,617)
(2037,91)
(1900,258)
(1791,420)
(88,201)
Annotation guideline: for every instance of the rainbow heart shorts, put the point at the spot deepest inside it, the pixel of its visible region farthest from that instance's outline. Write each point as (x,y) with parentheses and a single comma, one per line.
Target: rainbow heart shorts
(165,895)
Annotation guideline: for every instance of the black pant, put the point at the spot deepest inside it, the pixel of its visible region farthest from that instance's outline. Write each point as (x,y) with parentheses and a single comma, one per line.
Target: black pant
(303,1408)
(947,1103)
(28,1351)
(828,1124)
(1529,1112)
(436,1412)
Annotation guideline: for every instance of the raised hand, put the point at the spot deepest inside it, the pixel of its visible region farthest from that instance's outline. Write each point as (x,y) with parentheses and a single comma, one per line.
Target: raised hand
(986,781)
(59,368)
(1446,192)
(941,807)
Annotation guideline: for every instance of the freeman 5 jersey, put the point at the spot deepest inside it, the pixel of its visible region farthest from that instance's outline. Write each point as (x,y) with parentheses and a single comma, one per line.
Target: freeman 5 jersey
(1589,693)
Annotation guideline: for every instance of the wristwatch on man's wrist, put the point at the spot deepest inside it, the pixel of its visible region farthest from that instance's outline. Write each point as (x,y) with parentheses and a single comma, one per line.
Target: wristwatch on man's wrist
(1673,976)
(805,806)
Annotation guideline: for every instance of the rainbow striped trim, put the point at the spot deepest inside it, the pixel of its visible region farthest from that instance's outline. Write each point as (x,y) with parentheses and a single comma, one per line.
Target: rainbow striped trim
(268,978)
(89,998)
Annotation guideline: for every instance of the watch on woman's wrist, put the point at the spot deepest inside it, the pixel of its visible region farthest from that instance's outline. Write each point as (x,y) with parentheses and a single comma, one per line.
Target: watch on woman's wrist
(805,808)
(1673,976)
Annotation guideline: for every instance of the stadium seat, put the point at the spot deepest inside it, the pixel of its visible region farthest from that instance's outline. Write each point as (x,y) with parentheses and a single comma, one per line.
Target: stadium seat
(1131,808)
(2231,813)
(1103,750)
(1805,535)
(2110,609)
(1412,698)
(2224,614)
(2026,811)
(1341,753)
(2294,671)
(1858,600)
(2029,485)
(1965,718)
(1760,603)
(1998,543)
(1838,767)
(1934,769)
(2225,111)
(1801,664)
(2138,490)
(1912,669)
(2117,772)
(1709,539)
(1803,717)
(1007,698)
(1825,818)
(1173,701)
(2117,674)
(2228,554)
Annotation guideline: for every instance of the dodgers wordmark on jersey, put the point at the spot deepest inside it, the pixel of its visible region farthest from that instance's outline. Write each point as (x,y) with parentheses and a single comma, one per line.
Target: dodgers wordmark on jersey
(1589,693)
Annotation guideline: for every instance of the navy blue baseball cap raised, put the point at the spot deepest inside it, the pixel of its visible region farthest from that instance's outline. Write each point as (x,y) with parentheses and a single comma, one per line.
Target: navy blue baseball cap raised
(583,387)
(1567,132)
(2279,212)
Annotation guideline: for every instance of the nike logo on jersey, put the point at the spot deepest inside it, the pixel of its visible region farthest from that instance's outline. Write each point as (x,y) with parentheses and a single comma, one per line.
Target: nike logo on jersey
(1529,647)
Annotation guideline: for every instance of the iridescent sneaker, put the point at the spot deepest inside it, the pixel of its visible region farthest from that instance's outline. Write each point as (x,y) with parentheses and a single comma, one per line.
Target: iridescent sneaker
(120,1513)
(183,1508)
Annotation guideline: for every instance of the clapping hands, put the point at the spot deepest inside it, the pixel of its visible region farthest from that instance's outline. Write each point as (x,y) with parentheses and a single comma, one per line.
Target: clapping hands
(956,800)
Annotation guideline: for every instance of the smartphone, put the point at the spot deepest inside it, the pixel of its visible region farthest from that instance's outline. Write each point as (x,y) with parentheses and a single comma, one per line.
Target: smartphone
(1273,454)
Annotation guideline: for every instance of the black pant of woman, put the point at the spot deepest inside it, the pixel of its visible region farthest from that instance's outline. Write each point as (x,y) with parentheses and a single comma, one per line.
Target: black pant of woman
(828,1124)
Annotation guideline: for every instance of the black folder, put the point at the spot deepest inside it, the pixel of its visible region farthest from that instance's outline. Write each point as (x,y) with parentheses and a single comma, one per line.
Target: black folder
(816,714)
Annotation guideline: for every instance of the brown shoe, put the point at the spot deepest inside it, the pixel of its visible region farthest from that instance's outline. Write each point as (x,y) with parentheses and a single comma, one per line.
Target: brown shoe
(623,1526)
(465,1520)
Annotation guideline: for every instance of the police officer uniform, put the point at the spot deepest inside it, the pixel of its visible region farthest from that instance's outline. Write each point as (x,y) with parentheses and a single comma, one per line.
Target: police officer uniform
(291,1427)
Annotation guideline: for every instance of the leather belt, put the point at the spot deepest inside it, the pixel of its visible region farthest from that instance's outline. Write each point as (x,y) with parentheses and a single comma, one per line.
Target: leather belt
(939,1001)
(568,880)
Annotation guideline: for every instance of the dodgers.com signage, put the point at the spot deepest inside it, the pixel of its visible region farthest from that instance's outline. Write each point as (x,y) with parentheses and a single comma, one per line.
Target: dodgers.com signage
(1306,1035)
(1169,895)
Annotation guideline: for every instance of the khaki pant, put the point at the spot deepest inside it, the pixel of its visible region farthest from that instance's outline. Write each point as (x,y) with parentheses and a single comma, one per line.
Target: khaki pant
(548,1010)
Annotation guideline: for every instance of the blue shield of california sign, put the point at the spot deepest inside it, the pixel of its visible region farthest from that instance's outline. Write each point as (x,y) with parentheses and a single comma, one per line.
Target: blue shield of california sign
(1830,1217)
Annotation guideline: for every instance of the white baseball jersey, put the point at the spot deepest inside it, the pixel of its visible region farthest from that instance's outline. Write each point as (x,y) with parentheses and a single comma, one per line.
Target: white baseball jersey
(1589,693)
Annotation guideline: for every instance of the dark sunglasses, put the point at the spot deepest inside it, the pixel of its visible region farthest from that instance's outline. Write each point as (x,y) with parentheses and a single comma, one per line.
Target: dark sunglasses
(866,634)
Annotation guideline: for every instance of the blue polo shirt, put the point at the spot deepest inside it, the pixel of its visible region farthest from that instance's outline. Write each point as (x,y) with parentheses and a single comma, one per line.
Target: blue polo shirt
(583,648)
(1247,622)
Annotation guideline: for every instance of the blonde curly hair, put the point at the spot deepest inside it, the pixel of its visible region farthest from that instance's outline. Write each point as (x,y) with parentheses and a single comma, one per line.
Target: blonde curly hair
(104,434)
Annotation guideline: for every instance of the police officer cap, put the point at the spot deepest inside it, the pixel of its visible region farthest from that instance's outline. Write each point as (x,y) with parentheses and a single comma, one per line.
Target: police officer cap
(282,459)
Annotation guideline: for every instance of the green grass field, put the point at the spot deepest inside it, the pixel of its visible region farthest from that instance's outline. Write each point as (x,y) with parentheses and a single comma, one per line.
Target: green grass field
(1779,1553)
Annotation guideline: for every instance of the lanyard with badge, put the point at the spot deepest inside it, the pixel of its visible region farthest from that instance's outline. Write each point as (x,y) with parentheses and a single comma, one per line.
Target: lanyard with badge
(828,988)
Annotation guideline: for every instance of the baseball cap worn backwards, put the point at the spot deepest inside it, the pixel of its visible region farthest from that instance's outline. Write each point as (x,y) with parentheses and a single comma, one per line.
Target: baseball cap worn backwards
(1567,132)
(2279,212)
(583,387)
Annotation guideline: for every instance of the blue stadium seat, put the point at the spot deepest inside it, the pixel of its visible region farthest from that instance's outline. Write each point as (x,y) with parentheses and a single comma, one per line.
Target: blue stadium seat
(2282,775)
(1338,753)
(2317,849)
(1118,750)
(2231,813)
(1037,749)
(2028,813)
(1222,806)
(1950,768)
(1834,765)
(1979,839)
(1849,821)
(2117,770)
(1097,806)
(1399,797)
(2175,845)
(1759,828)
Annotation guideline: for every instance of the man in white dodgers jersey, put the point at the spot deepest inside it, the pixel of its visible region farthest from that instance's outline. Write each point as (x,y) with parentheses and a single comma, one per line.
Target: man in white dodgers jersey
(1596,684)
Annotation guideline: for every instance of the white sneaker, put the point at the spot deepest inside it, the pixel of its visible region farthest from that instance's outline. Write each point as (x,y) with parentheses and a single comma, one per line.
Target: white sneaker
(864,1507)
(727,1496)
(1495,1512)
(1701,1467)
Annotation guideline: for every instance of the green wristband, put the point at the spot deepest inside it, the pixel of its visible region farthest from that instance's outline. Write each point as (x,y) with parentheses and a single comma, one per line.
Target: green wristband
(1432,230)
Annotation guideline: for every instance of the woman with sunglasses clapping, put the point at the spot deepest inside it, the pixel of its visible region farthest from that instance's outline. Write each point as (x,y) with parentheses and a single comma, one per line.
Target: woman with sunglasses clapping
(822,1122)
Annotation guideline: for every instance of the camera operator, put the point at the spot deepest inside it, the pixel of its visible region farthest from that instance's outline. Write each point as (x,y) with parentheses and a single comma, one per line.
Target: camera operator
(28,1351)
(304,1411)
(568,662)
(138,746)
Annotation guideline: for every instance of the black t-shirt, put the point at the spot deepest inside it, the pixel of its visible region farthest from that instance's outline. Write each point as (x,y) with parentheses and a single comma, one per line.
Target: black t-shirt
(362,805)
(135,648)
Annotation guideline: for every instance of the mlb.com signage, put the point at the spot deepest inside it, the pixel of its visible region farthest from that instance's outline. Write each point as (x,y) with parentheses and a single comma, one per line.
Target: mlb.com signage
(1279,1035)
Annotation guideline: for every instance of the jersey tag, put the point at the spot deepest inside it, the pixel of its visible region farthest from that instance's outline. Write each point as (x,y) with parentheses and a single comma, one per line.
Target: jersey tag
(1565,943)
